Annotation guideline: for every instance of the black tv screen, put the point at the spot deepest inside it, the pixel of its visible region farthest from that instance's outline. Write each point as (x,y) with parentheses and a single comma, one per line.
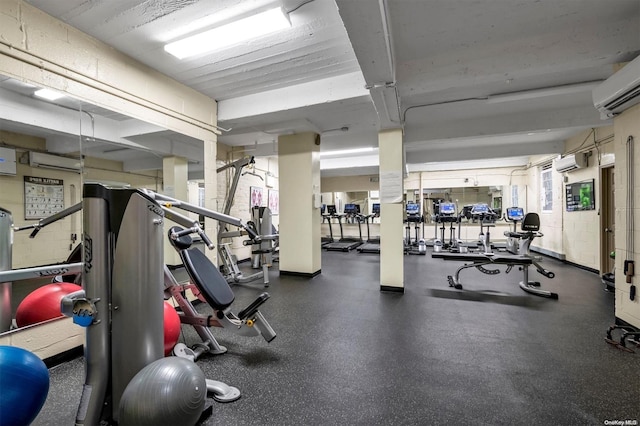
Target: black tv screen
(580,196)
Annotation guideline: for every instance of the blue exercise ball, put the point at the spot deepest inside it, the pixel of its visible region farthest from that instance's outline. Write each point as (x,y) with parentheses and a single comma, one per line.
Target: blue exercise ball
(170,391)
(24,385)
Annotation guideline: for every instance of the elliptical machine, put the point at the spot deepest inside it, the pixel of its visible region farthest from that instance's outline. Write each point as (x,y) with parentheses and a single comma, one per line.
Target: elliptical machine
(417,245)
(485,215)
(446,214)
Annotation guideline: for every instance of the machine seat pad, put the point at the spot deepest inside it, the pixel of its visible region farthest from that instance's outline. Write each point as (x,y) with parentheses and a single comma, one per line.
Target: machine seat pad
(207,278)
(479,257)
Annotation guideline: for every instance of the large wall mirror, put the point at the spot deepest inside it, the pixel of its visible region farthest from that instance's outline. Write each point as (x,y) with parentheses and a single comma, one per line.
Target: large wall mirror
(497,197)
(50,145)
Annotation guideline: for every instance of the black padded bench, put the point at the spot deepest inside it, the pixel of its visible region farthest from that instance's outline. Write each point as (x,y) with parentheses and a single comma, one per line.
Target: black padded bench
(480,260)
(498,259)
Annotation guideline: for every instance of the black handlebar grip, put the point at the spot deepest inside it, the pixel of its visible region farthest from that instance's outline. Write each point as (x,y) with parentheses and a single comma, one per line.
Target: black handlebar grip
(35,232)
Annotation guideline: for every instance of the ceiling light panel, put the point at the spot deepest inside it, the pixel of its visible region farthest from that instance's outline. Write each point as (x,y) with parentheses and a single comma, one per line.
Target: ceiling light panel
(48,94)
(235,32)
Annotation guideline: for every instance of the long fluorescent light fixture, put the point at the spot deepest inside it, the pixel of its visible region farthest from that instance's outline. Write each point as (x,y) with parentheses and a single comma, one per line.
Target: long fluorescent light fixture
(524,95)
(347,151)
(235,32)
(48,94)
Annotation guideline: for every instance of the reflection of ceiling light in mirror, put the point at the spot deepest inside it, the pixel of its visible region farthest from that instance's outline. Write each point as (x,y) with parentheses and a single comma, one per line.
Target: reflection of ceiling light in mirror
(229,34)
(50,95)
(347,151)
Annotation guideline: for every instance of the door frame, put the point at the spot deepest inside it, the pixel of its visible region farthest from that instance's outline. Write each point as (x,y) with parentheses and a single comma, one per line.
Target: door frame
(607,211)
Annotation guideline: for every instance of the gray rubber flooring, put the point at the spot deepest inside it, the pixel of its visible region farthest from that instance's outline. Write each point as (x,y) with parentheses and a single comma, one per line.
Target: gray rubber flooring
(349,354)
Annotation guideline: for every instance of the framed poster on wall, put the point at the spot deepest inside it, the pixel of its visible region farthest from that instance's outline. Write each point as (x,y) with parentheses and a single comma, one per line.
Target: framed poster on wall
(255,199)
(274,201)
(42,197)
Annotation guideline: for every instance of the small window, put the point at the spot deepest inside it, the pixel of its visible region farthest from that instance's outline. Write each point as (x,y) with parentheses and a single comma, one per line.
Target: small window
(546,189)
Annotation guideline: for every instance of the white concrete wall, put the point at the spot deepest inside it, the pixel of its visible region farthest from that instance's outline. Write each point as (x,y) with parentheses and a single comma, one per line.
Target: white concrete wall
(39,49)
(625,125)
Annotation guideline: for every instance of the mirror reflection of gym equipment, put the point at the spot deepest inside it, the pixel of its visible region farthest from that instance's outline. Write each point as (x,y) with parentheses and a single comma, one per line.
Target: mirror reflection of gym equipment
(351,215)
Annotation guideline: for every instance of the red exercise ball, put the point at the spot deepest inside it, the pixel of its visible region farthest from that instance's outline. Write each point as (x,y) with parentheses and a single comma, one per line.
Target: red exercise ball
(43,303)
(171,328)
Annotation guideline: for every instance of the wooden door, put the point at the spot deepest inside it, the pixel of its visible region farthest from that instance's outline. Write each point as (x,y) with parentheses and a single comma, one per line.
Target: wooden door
(607,211)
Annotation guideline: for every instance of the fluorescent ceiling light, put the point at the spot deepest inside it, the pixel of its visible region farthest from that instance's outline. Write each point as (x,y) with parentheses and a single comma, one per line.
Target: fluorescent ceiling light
(524,95)
(469,164)
(235,32)
(48,94)
(347,151)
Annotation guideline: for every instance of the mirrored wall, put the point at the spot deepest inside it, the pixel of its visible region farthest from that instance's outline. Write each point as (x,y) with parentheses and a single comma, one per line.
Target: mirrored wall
(50,145)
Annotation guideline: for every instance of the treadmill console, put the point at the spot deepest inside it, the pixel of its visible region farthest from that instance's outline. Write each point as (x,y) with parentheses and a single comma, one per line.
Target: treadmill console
(375,209)
(331,209)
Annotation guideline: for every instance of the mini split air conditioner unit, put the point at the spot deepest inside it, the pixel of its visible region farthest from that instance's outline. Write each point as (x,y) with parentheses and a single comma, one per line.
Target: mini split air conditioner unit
(47,161)
(570,162)
(618,92)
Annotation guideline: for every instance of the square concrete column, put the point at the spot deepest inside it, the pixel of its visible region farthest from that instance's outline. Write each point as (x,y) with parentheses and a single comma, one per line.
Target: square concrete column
(211,193)
(391,210)
(299,189)
(174,178)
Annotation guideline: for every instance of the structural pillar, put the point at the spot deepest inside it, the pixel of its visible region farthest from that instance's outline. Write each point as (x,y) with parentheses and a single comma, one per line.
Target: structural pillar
(211,193)
(299,191)
(174,177)
(391,210)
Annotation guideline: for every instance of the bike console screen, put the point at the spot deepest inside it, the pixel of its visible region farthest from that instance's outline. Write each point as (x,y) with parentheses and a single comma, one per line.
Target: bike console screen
(515,214)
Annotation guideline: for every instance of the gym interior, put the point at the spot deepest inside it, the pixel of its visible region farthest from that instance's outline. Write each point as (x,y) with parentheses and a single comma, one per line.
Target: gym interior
(382,212)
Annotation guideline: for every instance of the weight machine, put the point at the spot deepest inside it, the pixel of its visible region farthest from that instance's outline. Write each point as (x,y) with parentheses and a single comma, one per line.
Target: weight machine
(264,258)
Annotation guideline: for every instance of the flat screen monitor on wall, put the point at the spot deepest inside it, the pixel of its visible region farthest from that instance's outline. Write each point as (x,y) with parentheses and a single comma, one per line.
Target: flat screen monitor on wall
(580,196)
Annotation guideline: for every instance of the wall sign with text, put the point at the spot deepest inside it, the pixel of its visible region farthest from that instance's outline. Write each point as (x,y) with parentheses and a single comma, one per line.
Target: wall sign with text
(42,197)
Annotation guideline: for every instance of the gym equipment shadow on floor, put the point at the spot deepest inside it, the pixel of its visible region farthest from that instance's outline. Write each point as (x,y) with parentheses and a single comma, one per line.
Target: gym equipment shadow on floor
(348,354)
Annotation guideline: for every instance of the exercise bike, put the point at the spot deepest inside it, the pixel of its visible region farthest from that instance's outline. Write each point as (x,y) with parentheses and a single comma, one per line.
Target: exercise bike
(519,242)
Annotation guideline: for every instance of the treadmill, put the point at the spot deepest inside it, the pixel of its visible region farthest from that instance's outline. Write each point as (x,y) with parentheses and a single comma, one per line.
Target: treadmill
(348,243)
(373,244)
(326,216)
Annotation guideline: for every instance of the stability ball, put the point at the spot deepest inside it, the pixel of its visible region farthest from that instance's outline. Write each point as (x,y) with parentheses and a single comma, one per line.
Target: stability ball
(24,385)
(43,303)
(170,391)
(171,328)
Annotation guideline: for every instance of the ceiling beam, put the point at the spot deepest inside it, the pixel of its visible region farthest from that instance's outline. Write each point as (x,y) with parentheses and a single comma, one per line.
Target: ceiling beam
(371,37)
(301,95)
(487,151)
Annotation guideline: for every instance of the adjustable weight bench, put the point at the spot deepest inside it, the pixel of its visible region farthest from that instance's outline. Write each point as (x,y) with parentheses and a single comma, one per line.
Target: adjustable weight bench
(480,260)
(208,285)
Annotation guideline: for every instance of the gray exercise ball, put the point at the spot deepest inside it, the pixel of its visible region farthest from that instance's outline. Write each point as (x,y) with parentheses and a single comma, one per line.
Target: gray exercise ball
(170,391)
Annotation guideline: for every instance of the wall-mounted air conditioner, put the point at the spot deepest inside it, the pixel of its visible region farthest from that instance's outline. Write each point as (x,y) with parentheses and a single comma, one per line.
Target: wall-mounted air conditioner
(618,92)
(7,161)
(47,161)
(570,162)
